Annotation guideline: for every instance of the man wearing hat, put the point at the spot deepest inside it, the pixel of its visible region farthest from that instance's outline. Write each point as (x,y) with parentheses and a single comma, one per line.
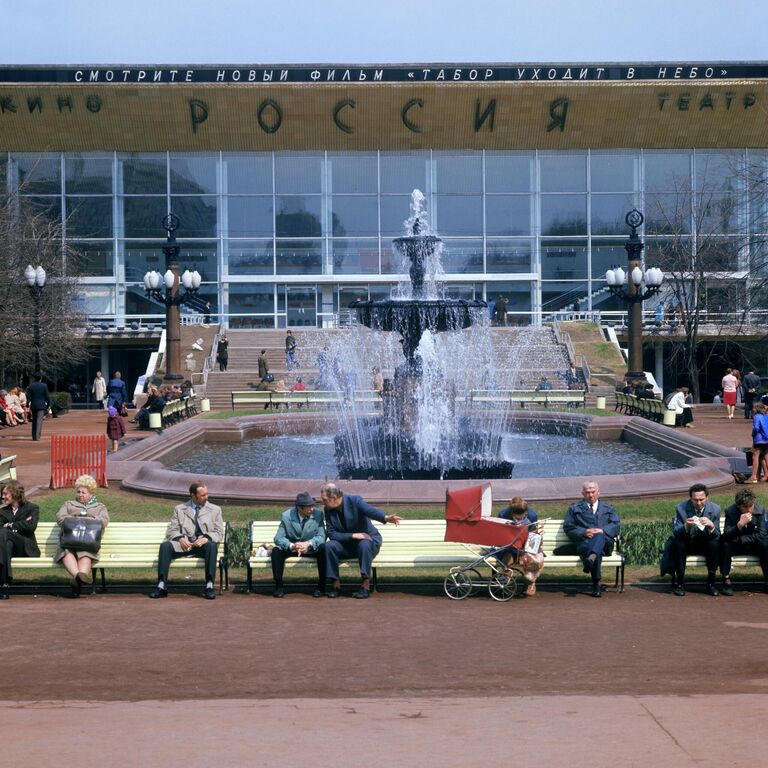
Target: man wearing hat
(301,533)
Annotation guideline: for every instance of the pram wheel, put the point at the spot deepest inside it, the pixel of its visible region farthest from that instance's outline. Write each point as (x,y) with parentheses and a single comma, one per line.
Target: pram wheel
(502,586)
(458,584)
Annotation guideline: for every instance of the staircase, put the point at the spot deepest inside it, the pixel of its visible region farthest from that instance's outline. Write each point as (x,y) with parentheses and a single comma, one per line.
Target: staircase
(541,356)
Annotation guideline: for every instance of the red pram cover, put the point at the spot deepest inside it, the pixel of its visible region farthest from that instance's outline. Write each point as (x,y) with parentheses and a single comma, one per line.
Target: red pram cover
(468,520)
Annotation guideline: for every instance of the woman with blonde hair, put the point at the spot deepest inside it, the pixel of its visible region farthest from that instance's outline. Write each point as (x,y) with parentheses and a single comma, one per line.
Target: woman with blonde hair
(79,564)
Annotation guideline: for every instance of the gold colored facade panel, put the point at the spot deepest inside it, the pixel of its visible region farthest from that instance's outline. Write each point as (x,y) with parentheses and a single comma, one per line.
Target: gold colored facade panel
(471,116)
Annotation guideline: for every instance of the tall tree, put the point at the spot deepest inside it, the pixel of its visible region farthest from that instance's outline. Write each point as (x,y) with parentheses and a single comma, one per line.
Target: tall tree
(29,237)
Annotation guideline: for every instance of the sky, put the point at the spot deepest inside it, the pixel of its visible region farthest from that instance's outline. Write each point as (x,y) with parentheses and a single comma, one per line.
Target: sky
(69,32)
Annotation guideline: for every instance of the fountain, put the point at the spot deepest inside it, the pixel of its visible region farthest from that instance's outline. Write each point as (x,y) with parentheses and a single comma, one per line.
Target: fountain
(421,432)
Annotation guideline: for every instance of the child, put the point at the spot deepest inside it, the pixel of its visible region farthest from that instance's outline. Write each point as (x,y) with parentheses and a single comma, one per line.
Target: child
(115,426)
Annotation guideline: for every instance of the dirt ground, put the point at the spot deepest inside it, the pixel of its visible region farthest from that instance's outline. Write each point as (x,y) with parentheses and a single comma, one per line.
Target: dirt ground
(395,644)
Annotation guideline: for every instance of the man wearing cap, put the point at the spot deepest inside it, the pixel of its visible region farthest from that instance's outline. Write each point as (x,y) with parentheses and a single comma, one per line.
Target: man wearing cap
(744,533)
(593,525)
(301,533)
(351,534)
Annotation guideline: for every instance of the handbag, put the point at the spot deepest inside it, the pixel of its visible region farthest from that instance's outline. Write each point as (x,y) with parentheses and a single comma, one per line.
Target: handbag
(81,534)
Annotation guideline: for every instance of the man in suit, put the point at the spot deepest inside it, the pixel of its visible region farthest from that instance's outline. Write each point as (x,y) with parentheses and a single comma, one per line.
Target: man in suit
(351,534)
(116,391)
(751,386)
(301,533)
(18,520)
(744,533)
(195,530)
(594,526)
(696,531)
(39,400)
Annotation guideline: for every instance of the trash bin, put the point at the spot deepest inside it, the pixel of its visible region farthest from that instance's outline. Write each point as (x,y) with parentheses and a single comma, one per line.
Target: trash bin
(669,417)
(155,420)
(601,403)
(205,405)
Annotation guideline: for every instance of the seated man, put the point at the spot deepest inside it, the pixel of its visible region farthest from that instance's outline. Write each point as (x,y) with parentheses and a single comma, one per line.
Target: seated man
(593,525)
(695,531)
(300,534)
(351,534)
(744,533)
(195,530)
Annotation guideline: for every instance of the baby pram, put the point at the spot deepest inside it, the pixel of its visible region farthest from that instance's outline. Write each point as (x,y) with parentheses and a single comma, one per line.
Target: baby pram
(468,521)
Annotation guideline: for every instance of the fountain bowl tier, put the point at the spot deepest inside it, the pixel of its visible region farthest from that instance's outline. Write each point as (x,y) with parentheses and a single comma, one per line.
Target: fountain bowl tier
(413,317)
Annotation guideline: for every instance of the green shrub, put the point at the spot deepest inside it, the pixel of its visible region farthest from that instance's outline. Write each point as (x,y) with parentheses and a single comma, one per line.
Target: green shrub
(643,543)
(62,399)
(239,545)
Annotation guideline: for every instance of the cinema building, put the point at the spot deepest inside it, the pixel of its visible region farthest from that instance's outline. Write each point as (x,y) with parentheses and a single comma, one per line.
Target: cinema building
(290,182)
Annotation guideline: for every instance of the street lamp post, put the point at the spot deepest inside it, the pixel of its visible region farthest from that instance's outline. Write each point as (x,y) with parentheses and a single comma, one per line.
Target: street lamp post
(35,277)
(154,283)
(640,285)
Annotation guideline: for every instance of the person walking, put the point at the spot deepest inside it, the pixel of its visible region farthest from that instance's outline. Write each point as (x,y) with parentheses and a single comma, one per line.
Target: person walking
(99,390)
(263,365)
(39,399)
(222,352)
(729,384)
(290,350)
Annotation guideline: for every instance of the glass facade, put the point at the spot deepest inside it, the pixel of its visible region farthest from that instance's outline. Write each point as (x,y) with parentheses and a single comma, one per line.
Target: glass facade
(292,237)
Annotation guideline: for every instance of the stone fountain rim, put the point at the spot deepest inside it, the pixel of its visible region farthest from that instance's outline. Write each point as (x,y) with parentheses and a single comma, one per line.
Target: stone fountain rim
(139,468)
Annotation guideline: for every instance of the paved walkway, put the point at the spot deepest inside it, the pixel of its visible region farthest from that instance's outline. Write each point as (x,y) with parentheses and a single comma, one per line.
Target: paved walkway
(33,459)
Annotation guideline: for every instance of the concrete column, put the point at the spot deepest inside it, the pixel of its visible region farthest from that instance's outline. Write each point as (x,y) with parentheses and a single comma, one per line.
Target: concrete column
(658,362)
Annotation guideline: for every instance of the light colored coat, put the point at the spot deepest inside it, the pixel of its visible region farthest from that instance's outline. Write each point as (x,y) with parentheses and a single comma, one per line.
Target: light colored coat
(99,389)
(183,523)
(76,509)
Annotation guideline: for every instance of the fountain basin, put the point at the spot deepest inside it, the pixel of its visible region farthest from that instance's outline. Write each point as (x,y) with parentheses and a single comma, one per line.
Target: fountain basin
(144,467)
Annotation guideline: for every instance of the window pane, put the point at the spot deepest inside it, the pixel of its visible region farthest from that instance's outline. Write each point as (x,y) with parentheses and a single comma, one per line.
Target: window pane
(248,174)
(354,215)
(395,209)
(462,256)
(458,215)
(297,174)
(609,212)
(252,298)
(95,300)
(200,257)
(718,213)
(668,214)
(614,173)
(607,254)
(193,174)
(299,257)
(143,174)
(558,295)
(38,174)
(96,258)
(722,171)
(250,216)
(667,171)
(298,216)
(563,214)
(143,216)
(722,254)
(508,172)
(250,258)
(403,173)
(350,256)
(136,259)
(197,215)
(458,173)
(563,261)
(669,253)
(48,207)
(518,297)
(302,306)
(353,173)
(563,173)
(88,175)
(345,295)
(508,215)
(508,256)
(89,217)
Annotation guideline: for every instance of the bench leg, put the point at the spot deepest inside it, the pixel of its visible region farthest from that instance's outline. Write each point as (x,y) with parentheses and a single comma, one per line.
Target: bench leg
(103,581)
(374,579)
(250,578)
